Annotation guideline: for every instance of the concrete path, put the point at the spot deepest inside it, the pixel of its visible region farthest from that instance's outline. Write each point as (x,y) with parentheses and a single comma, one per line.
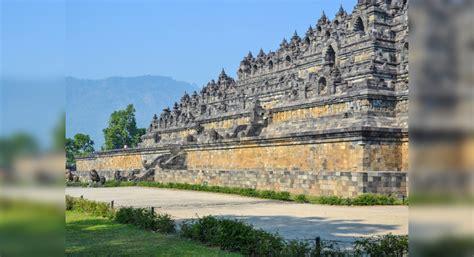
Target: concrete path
(291,220)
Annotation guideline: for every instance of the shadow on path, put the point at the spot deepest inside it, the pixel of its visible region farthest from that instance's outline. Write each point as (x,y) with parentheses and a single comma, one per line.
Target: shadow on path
(310,227)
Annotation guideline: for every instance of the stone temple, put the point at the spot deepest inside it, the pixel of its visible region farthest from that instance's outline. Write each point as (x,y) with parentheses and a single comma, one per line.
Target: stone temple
(325,114)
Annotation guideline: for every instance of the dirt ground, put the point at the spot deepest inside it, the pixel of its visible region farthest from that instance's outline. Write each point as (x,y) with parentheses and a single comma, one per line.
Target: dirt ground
(290,220)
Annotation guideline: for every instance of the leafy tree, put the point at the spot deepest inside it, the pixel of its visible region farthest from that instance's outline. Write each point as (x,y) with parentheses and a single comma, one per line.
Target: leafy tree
(23,144)
(14,146)
(80,145)
(59,134)
(84,144)
(70,152)
(122,129)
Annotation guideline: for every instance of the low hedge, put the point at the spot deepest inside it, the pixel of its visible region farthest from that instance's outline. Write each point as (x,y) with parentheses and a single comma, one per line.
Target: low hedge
(236,236)
(387,245)
(140,217)
(301,199)
(76,184)
(91,207)
(145,219)
(233,236)
(365,199)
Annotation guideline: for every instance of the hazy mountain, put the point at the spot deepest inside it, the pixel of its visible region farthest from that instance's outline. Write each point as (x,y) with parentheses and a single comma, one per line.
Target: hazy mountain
(89,103)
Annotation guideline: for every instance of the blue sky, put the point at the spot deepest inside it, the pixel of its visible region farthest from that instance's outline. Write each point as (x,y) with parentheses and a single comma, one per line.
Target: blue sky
(190,41)
(32,62)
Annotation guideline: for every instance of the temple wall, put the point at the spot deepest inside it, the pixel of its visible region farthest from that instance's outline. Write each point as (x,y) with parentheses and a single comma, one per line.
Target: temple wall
(111,162)
(388,156)
(227,123)
(405,155)
(354,156)
(313,112)
(315,157)
(342,168)
(346,184)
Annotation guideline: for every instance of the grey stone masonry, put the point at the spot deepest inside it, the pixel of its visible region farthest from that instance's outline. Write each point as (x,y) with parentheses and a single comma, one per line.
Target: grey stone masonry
(346,184)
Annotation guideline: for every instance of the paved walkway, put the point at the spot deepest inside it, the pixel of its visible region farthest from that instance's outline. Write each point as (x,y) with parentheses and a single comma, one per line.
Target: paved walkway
(291,220)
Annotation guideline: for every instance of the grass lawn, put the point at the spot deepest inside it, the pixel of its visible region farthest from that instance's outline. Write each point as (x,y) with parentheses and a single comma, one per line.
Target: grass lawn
(31,229)
(93,236)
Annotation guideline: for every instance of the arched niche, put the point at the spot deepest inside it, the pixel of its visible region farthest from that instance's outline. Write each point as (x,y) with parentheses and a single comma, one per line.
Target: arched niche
(270,65)
(359,25)
(288,60)
(322,85)
(330,56)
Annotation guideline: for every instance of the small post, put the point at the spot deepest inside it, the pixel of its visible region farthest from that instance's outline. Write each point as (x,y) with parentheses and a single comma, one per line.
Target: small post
(112,204)
(152,209)
(82,197)
(318,246)
(403,199)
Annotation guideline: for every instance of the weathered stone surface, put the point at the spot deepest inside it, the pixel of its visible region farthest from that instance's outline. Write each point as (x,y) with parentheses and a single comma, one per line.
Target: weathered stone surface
(346,184)
(313,116)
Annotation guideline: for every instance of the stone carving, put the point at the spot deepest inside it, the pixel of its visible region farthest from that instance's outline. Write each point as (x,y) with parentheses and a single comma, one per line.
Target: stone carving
(71,177)
(118,176)
(210,136)
(96,178)
(176,159)
(140,175)
(135,175)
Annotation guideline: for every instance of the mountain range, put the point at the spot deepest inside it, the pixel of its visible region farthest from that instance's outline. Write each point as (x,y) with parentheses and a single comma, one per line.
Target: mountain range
(89,102)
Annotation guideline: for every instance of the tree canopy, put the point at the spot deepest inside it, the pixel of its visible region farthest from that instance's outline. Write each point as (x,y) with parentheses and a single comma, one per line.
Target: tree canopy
(80,145)
(122,129)
(14,146)
(59,134)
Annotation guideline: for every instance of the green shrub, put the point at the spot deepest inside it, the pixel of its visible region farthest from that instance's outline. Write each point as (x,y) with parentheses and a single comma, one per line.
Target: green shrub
(233,236)
(165,223)
(69,202)
(115,183)
(236,236)
(112,183)
(90,207)
(283,196)
(239,237)
(125,215)
(365,199)
(145,219)
(76,184)
(204,230)
(329,249)
(461,245)
(387,245)
(373,199)
(301,199)
(297,248)
(332,200)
